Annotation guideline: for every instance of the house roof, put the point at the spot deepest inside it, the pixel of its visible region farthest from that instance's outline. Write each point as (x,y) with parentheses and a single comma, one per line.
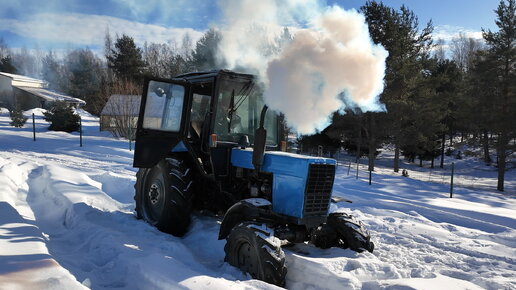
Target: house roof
(119,105)
(50,95)
(21,78)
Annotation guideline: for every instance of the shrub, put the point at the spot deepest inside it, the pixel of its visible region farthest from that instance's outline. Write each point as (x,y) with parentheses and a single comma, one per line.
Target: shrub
(17,118)
(62,118)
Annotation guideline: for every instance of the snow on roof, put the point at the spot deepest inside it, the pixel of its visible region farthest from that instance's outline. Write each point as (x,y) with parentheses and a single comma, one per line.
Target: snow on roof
(21,78)
(50,95)
(122,105)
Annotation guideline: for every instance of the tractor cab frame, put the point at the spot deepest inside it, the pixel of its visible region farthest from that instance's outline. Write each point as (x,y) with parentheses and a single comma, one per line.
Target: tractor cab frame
(204,114)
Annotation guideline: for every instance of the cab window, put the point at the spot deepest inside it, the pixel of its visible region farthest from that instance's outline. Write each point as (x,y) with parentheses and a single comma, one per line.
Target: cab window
(164,107)
(200,107)
(239,105)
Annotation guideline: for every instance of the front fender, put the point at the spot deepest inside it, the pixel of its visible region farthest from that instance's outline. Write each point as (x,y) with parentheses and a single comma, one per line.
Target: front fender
(252,209)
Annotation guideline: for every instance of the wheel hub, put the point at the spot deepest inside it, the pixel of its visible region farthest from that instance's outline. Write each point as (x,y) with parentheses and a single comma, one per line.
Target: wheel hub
(154,194)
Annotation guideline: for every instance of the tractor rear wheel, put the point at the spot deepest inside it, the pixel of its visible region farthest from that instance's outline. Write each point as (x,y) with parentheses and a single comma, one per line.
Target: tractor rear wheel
(253,249)
(350,232)
(164,196)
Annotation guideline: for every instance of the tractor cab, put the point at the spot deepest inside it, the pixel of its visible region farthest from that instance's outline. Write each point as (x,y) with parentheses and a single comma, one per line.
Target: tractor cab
(206,114)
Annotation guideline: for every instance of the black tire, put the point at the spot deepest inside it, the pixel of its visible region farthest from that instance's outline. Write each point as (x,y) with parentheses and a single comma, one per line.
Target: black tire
(324,237)
(253,249)
(164,196)
(351,232)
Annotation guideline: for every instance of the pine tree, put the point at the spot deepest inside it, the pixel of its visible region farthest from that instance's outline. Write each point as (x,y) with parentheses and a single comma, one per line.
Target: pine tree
(126,59)
(84,71)
(4,49)
(17,118)
(6,62)
(502,53)
(360,133)
(483,89)
(399,33)
(449,103)
(62,118)
(204,56)
(6,65)
(347,127)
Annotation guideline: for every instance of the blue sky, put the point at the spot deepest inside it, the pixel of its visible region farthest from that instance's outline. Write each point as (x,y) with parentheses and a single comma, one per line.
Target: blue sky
(62,24)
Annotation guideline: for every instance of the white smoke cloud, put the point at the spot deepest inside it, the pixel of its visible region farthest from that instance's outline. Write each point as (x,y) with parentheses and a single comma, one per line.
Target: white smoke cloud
(330,55)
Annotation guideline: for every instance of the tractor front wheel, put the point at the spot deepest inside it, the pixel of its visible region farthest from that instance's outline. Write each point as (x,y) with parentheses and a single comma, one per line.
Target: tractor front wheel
(351,232)
(253,249)
(164,196)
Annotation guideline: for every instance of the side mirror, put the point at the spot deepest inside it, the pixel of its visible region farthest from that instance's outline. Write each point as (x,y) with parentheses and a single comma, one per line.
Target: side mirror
(159,92)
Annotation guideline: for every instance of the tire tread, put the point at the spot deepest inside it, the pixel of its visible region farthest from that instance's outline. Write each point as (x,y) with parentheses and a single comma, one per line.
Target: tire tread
(175,217)
(272,260)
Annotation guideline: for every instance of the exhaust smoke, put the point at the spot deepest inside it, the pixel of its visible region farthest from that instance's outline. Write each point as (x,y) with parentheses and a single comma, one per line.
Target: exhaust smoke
(328,63)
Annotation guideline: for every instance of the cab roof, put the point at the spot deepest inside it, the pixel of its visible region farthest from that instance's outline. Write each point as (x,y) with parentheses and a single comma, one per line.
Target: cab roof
(192,76)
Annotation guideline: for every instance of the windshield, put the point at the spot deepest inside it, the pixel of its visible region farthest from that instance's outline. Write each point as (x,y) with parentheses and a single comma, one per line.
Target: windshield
(239,105)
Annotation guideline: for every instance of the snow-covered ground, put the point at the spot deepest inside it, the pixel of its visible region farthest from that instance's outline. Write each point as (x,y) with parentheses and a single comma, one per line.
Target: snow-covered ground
(66,222)
(469,172)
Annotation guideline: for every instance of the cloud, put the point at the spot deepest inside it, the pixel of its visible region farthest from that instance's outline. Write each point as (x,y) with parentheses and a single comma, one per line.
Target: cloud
(448,32)
(81,29)
(180,13)
(185,13)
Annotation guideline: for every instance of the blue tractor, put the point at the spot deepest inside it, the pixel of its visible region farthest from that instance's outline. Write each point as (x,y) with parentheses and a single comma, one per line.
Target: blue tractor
(206,141)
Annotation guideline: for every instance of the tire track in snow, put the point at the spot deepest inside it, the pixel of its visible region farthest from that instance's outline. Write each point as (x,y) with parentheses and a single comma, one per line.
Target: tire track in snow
(24,257)
(106,248)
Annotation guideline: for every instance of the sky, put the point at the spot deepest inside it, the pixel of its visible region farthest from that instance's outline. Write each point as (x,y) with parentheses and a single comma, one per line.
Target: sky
(66,24)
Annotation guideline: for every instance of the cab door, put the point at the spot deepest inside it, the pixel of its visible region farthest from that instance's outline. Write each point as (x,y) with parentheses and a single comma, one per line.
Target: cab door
(162,120)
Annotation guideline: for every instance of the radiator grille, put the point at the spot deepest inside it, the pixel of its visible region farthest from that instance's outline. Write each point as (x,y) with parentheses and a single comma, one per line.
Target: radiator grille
(318,189)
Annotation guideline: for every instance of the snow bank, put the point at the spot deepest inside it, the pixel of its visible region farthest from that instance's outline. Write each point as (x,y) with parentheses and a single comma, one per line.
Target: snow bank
(26,262)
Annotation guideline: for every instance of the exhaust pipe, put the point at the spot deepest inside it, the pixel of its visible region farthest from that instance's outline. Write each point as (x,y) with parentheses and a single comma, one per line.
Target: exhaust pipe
(260,137)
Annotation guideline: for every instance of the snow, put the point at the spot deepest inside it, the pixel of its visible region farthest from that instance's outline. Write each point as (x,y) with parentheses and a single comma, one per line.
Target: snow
(258,202)
(36,111)
(67,222)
